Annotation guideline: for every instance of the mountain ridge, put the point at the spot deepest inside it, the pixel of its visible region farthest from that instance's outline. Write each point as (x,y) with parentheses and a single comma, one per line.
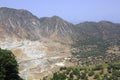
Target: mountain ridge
(16,22)
(42,45)
(21,24)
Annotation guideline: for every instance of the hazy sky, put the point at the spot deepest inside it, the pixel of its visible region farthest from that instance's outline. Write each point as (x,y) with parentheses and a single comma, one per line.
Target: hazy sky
(71,10)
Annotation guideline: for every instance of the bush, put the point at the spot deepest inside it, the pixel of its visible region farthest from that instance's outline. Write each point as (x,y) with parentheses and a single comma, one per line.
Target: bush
(114,77)
(76,71)
(114,66)
(101,72)
(116,73)
(86,78)
(8,66)
(58,76)
(91,73)
(99,67)
(62,68)
(83,75)
(96,77)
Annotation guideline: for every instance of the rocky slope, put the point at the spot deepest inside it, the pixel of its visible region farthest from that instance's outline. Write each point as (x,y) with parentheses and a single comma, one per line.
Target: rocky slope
(22,33)
(19,24)
(22,24)
(37,59)
(57,29)
(38,43)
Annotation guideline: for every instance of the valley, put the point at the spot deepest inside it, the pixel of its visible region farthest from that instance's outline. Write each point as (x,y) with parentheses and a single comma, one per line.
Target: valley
(43,45)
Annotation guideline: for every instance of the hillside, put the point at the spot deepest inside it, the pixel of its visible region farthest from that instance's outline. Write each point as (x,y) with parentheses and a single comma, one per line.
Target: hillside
(98,72)
(57,29)
(18,24)
(21,24)
(43,45)
(100,44)
(100,30)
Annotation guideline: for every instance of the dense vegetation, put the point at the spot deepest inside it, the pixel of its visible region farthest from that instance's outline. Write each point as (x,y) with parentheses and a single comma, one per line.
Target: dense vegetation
(94,50)
(110,71)
(93,62)
(91,47)
(8,66)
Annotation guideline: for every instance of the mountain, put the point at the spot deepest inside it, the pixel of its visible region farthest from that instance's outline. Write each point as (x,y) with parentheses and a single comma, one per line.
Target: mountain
(37,53)
(100,30)
(22,24)
(100,44)
(19,24)
(40,44)
(57,29)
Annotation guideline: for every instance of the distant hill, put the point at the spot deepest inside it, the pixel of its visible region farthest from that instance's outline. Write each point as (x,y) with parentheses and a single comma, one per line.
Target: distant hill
(101,30)
(22,24)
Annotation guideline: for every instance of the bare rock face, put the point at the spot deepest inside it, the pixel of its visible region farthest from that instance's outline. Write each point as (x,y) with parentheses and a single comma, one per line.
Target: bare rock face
(19,24)
(57,29)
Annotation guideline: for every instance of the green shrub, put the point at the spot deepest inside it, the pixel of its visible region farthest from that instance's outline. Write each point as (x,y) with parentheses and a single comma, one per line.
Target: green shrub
(99,67)
(101,72)
(91,73)
(96,77)
(83,75)
(59,76)
(116,73)
(8,66)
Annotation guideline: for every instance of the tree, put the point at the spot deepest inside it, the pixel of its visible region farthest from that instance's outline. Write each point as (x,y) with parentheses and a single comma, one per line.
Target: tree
(59,76)
(8,66)
(96,77)
(98,67)
(83,75)
(91,73)
(116,73)
(101,72)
